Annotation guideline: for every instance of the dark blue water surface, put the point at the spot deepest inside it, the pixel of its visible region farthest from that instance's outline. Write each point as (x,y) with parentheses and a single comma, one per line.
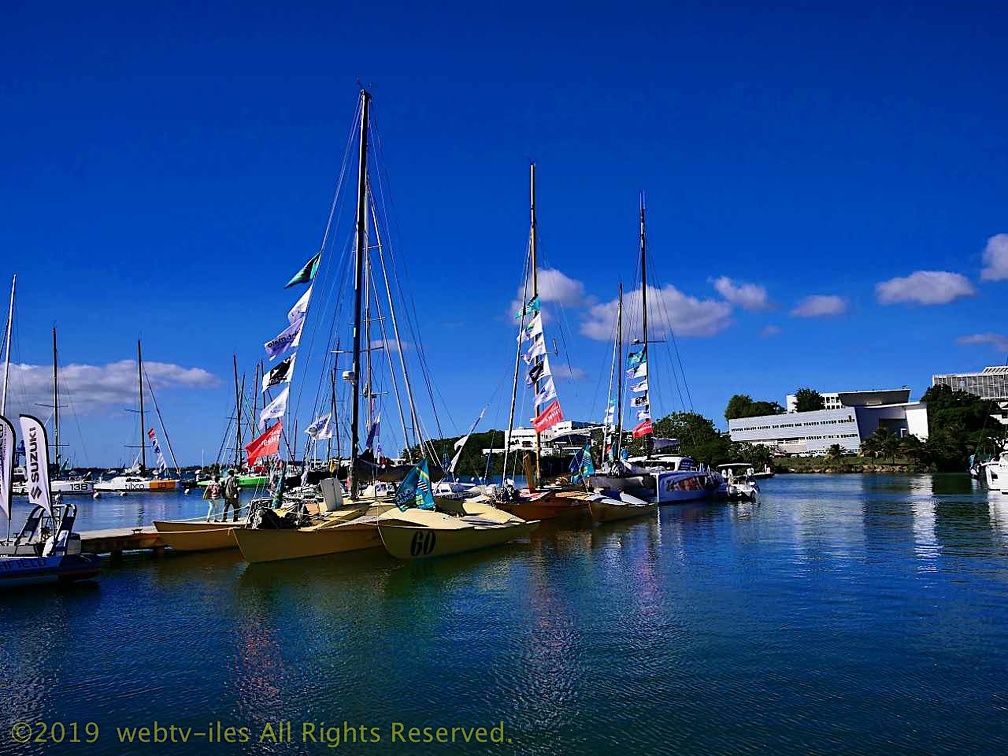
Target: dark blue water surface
(845,614)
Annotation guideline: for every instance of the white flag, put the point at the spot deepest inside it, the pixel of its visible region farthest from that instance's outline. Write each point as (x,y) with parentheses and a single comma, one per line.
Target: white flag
(321,429)
(280,374)
(533,329)
(276,408)
(538,349)
(640,387)
(644,414)
(638,372)
(7,446)
(300,307)
(546,393)
(610,414)
(287,339)
(36,462)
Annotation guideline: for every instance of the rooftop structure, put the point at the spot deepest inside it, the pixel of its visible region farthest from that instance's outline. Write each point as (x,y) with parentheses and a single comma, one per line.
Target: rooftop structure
(869,398)
(991,383)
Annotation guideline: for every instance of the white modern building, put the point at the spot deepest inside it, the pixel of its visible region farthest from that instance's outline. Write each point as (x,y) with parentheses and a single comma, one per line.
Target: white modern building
(991,383)
(858,416)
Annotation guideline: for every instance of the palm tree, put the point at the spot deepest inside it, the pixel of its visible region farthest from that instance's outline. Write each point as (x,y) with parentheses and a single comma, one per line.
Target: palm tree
(834,453)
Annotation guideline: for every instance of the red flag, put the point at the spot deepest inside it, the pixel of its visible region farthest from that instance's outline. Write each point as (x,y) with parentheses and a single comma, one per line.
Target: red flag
(643,429)
(268,443)
(549,417)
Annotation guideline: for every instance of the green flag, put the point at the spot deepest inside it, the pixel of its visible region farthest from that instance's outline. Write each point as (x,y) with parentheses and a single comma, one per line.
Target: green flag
(307,273)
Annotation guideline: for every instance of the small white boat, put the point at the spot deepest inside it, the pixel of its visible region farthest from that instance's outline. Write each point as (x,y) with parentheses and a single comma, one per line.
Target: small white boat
(740,481)
(996,473)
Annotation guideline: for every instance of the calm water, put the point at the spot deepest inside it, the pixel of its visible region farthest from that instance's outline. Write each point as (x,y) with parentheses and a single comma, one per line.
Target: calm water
(844,614)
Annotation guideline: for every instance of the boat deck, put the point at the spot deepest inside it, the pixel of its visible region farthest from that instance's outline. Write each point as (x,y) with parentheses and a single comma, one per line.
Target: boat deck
(117,540)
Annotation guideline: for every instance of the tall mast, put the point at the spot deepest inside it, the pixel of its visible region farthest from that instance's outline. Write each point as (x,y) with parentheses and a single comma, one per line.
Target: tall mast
(643,266)
(55,401)
(619,375)
(7,341)
(535,293)
(143,446)
(332,410)
(237,454)
(361,250)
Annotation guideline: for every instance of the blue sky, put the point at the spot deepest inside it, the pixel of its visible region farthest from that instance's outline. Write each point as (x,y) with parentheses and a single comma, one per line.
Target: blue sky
(167,169)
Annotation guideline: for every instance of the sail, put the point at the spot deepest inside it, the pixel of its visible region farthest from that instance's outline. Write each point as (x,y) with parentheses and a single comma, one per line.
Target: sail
(7,453)
(36,462)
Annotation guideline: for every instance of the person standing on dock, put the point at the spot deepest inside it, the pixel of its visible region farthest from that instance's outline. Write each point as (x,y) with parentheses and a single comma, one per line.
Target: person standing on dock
(212,493)
(231,496)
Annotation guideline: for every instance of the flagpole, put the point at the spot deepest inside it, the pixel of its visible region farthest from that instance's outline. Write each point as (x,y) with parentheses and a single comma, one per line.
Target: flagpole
(361,250)
(7,340)
(643,259)
(535,293)
(143,442)
(619,375)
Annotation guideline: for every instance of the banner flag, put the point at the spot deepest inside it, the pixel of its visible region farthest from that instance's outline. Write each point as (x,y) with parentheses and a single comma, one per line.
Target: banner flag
(8,439)
(546,393)
(642,386)
(276,408)
(538,371)
(636,358)
(307,273)
(644,414)
(36,462)
(639,401)
(548,417)
(538,349)
(321,428)
(300,307)
(415,489)
(533,329)
(288,339)
(638,372)
(530,308)
(162,465)
(266,445)
(643,429)
(369,444)
(280,374)
(610,415)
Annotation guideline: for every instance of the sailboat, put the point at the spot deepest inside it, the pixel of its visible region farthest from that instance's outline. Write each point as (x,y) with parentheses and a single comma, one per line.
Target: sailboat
(342,521)
(623,505)
(535,502)
(137,478)
(661,475)
(62,483)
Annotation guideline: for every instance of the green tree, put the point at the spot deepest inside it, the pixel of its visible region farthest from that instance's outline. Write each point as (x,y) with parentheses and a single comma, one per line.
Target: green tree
(808,400)
(834,453)
(913,449)
(957,422)
(739,405)
(697,436)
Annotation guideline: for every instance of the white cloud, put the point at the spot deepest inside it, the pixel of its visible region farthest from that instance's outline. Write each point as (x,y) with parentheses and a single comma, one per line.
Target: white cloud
(770,330)
(553,286)
(669,310)
(819,306)
(995,259)
(564,372)
(925,287)
(745,295)
(90,389)
(999,342)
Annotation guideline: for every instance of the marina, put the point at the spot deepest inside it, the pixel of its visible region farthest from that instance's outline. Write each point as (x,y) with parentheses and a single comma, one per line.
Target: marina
(854,613)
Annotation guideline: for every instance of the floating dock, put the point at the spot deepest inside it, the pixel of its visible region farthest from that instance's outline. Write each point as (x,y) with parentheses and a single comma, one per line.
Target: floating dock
(117,540)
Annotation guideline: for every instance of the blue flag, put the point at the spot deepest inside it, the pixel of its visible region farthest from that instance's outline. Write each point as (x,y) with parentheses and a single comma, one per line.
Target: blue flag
(636,358)
(415,489)
(581,464)
(307,273)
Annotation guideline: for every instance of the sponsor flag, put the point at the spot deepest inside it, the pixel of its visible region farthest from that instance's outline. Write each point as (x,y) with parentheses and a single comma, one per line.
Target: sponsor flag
(643,429)
(538,349)
(639,401)
(287,339)
(162,465)
(415,489)
(548,417)
(307,273)
(610,415)
(375,425)
(538,371)
(640,387)
(533,329)
(546,393)
(300,307)
(636,358)
(644,414)
(266,445)
(8,439)
(276,408)
(321,429)
(638,372)
(530,308)
(280,374)
(36,462)
(581,464)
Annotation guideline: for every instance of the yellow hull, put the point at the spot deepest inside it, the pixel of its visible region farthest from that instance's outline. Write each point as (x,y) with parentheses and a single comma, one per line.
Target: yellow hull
(267,545)
(547,505)
(420,534)
(196,536)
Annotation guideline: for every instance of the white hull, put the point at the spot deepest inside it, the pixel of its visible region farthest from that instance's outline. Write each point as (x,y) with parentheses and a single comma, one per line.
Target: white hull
(996,474)
(65,487)
(136,483)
